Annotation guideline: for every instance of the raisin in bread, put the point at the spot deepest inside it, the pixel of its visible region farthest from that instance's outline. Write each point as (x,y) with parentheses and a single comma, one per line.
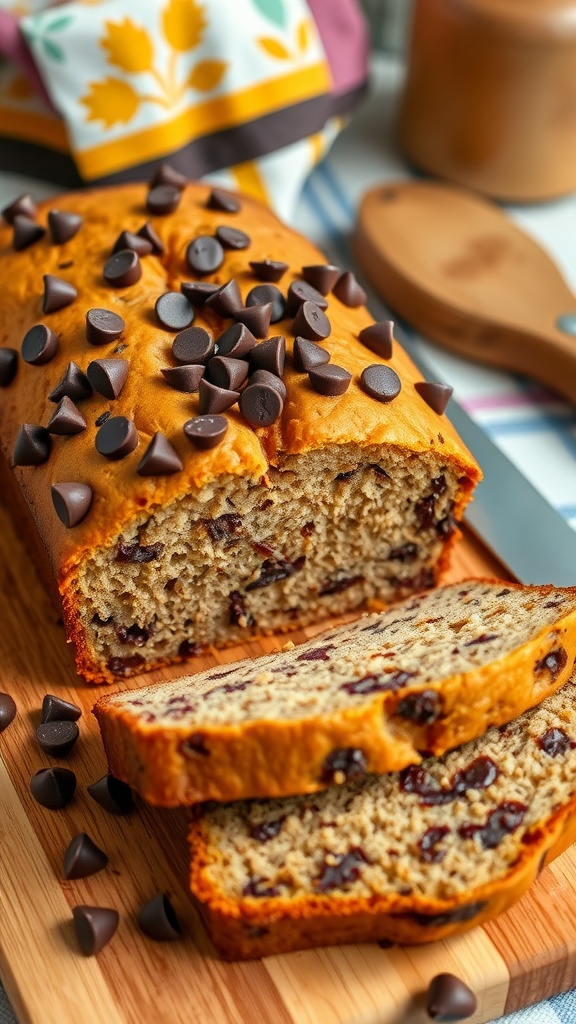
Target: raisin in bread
(428,674)
(320,492)
(409,857)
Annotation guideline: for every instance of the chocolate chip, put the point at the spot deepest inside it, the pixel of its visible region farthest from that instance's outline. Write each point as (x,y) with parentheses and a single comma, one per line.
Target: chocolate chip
(112,794)
(310,322)
(265,377)
(206,432)
(108,376)
(123,268)
(204,254)
(223,201)
(132,551)
(263,293)
(322,277)
(330,380)
(26,232)
(340,870)
(255,318)
(103,326)
(123,666)
(158,920)
(270,355)
(421,708)
(228,373)
(300,292)
(150,235)
(232,238)
(74,384)
(184,378)
(39,345)
(435,395)
(261,405)
(553,662)
(72,502)
(307,354)
(193,345)
(83,858)
(7,711)
(94,927)
(116,438)
(53,787)
(165,174)
(57,293)
(449,998)
(237,341)
(23,206)
(66,419)
(163,199)
(55,709)
(214,399)
(264,831)
(555,742)
(429,852)
(378,338)
(160,458)
(273,570)
(225,300)
(63,226)
(174,311)
(268,270)
(197,292)
(32,446)
(102,418)
(349,291)
(381,382)
(137,243)
(343,765)
(57,738)
(8,366)
(339,584)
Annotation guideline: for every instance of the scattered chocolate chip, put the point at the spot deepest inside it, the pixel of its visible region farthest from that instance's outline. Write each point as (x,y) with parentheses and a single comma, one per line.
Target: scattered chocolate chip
(135,635)
(55,709)
(264,293)
(307,354)
(8,366)
(228,373)
(174,311)
(261,405)
(429,853)
(53,787)
(112,794)
(378,338)
(23,206)
(102,418)
(72,502)
(39,345)
(7,711)
(349,291)
(150,235)
(63,226)
(108,376)
(224,528)
(310,322)
(330,380)
(32,447)
(555,742)
(158,920)
(206,432)
(160,458)
(273,570)
(322,277)
(163,199)
(94,927)
(449,998)
(192,345)
(340,870)
(66,419)
(381,382)
(139,553)
(165,174)
(137,243)
(339,584)
(225,300)
(378,684)
(223,201)
(213,399)
(57,738)
(116,438)
(255,318)
(57,293)
(268,270)
(405,553)
(553,662)
(435,395)
(83,858)
(421,708)
(270,355)
(239,614)
(266,830)
(343,765)
(204,254)
(184,378)
(237,341)
(103,326)
(74,384)
(300,292)
(265,377)
(232,238)
(123,666)
(26,232)
(123,268)
(197,292)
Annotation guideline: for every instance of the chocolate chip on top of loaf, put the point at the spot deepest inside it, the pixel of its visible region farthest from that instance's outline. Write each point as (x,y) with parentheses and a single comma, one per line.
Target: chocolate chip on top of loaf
(338,469)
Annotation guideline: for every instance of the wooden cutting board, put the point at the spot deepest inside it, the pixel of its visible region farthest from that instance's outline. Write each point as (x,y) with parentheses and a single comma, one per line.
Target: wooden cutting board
(529,953)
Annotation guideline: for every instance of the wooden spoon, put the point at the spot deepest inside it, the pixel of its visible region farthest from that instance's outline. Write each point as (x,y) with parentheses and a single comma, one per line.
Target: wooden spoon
(454,266)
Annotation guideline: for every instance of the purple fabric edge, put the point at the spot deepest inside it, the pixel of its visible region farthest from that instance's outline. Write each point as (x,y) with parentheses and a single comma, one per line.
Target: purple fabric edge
(344,34)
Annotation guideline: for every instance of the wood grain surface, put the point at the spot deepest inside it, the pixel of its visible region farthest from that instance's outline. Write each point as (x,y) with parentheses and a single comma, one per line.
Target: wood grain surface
(527,954)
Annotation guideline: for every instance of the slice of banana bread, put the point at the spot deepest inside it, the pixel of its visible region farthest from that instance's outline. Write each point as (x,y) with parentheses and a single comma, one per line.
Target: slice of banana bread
(408,857)
(428,674)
